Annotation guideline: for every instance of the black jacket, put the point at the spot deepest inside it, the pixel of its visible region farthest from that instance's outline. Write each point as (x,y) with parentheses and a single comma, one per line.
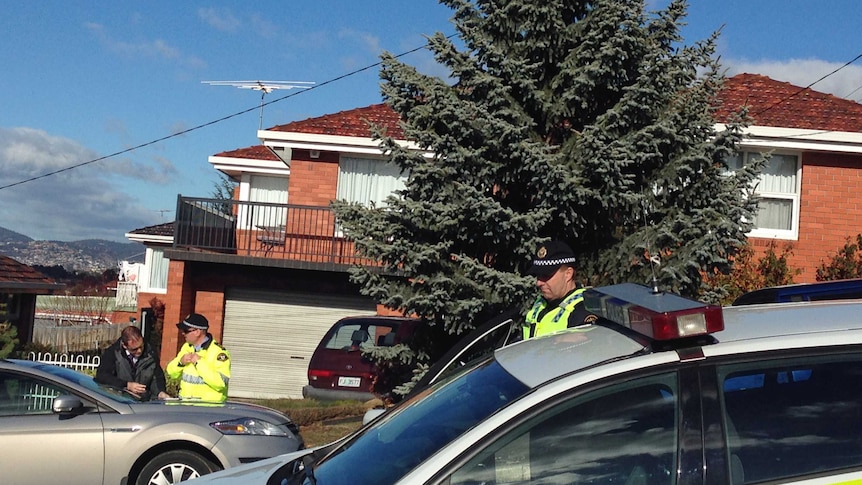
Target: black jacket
(115,370)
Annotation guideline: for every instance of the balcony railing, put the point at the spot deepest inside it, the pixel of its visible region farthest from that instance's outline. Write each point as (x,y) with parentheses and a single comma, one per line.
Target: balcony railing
(263,230)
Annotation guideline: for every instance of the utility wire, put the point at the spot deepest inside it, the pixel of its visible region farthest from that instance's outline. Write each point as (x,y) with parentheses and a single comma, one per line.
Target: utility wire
(320,85)
(806,87)
(209,123)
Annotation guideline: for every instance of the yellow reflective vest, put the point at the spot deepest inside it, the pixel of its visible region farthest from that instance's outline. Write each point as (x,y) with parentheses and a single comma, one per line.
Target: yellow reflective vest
(555,319)
(207,379)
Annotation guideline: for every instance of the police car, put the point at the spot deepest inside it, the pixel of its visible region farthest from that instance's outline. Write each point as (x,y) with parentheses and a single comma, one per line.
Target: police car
(661,390)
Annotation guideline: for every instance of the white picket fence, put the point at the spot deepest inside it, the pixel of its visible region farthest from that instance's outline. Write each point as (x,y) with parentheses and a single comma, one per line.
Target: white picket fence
(80,363)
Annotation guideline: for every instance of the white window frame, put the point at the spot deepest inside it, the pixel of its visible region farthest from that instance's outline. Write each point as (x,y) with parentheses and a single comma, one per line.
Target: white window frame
(248,193)
(368,180)
(794,197)
(156,272)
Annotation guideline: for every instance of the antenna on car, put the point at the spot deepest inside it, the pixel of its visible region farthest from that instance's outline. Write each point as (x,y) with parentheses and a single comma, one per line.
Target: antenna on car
(654,259)
(265,87)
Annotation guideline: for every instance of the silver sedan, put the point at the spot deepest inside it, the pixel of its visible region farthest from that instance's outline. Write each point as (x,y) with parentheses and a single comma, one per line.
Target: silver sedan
(59,426)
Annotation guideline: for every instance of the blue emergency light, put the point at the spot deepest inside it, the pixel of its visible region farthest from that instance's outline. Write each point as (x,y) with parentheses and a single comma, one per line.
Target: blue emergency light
(659,315)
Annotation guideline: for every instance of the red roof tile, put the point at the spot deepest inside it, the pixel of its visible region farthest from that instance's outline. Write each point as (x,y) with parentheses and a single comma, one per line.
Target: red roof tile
(257,152)
(771,103)
(19,276)
(780,104)
(355,122)
(166,229)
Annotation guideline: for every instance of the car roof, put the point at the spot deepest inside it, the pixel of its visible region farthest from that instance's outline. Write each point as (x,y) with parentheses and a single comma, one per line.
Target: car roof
(823,290)
(774,319)
(538,360)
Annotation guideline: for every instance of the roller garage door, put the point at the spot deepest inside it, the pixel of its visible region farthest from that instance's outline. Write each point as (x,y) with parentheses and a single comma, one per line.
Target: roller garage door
(271,336)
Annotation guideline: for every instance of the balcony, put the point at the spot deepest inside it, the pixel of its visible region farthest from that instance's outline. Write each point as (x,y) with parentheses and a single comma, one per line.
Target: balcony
(271,234)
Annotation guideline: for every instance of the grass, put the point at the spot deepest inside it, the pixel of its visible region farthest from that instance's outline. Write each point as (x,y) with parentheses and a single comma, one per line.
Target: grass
(320,422)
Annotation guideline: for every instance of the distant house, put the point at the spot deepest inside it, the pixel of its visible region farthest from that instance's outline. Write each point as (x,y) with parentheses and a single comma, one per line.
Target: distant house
(269,267)
(19,286)
(810,191)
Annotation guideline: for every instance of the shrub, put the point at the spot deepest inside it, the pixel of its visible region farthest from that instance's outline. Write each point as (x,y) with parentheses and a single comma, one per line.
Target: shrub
(749,273)
(845,264)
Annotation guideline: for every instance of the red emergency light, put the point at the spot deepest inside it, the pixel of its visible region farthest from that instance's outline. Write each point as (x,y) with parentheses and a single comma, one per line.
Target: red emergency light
(658,315)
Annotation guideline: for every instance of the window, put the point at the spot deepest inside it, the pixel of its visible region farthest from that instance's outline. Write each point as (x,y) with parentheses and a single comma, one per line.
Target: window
(271,192)
(356,335)
(21,395)
(625,434)
(778,189)
(157,264)
(788,418)
(367,181)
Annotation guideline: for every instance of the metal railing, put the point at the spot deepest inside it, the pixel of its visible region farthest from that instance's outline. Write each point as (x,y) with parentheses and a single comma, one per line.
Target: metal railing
(78,362)
(264,230)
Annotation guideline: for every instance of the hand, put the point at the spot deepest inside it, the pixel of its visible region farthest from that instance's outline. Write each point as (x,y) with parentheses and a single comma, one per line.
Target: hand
(136,388)
(164,395)
(189,358)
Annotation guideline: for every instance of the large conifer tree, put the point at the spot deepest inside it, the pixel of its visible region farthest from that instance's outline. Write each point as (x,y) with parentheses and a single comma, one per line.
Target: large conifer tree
(585,121)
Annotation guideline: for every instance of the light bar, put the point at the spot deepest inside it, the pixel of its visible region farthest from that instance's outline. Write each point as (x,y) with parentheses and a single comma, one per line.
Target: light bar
(661,316)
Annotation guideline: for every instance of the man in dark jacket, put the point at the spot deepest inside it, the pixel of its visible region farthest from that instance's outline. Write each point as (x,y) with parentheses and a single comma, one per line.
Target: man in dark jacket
(131,365)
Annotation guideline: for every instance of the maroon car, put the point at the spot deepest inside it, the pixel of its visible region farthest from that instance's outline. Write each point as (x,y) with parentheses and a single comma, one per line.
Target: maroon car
(338,370)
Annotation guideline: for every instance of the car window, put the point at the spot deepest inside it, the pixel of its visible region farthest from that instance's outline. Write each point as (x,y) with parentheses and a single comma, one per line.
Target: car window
(20,395)
(792,417)
(620,435)
(360,334)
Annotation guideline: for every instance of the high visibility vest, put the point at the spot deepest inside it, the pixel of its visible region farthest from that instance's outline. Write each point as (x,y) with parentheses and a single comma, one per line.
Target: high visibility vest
(555,319)
(206,380)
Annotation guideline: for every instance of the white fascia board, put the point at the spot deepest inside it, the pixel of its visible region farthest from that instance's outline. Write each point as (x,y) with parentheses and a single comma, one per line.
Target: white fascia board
(149,238)
(798,139)
(334,143)
(232,164)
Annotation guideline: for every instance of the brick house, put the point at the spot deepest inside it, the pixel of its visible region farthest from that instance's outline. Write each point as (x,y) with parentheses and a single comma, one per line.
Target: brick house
(812,190)
(268,268)
(19,286)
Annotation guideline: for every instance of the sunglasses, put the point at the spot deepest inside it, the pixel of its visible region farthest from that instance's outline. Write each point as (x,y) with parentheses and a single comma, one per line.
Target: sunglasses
(189,330)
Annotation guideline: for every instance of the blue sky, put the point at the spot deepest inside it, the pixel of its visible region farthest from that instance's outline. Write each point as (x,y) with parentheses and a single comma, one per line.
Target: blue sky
(83,80)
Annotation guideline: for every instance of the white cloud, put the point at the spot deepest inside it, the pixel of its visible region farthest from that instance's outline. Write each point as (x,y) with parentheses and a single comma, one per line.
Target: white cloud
(88,202)
(158,49)
(845,83)
(221,19)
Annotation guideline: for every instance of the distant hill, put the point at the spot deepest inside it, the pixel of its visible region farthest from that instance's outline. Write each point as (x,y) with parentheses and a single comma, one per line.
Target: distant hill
(90,255)
(11,236)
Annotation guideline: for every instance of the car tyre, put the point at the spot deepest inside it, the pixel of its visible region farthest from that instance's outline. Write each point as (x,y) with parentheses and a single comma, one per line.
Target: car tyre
(174,467)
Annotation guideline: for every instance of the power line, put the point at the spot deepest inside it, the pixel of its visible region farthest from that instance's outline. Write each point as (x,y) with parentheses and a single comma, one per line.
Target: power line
(806,87)
(209,123)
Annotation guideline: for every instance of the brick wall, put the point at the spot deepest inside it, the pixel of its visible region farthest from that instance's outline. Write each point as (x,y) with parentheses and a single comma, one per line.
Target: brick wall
(830,211)
(313,181)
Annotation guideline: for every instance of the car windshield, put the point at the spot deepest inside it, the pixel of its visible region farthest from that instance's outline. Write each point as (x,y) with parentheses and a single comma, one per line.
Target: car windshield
(83,380)
(388,449)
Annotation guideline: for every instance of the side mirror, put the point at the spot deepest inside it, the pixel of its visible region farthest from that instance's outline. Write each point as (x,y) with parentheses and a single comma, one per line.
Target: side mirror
(371,414)
(67,404)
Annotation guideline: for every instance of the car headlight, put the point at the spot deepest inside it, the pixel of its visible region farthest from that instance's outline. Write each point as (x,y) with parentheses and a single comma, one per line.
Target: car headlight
(249,426)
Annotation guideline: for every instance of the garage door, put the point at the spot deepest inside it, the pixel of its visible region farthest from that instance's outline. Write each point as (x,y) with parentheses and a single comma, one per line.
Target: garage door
(271,336)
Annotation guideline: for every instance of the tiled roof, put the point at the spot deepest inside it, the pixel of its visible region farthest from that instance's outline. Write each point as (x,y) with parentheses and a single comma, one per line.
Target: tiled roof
(353,122)
(771,103)
(780,104)
(19,276)
(257,152)
(166,229)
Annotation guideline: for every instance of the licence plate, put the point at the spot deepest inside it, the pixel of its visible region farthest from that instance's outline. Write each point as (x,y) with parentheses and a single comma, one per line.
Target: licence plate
(349,381)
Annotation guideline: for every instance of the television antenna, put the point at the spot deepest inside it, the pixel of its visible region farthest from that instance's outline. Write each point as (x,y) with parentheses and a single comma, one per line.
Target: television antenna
(265,87)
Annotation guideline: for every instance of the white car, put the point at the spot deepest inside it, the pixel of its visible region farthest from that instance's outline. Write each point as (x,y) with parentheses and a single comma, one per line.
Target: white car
(661,390)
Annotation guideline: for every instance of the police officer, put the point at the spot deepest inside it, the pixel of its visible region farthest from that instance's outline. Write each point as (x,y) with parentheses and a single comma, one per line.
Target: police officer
(561,303)
(203,364)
